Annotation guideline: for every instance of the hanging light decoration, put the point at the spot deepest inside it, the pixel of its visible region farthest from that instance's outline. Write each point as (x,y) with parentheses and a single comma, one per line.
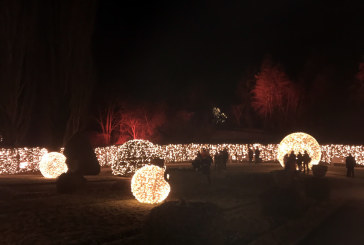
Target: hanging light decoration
(149,186)
(299,142)
(52,165)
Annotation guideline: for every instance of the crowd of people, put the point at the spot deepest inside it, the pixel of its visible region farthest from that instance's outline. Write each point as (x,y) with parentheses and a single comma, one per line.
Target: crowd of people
(300,161)
(292,162)
(203,162)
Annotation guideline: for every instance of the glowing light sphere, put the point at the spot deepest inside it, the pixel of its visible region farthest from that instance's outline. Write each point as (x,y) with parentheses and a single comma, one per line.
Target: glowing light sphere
(149,186)
(133,155)
(52,165)
(299,142)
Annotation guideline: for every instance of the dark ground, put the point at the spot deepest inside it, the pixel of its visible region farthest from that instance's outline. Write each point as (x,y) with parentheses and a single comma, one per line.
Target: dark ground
(105,212)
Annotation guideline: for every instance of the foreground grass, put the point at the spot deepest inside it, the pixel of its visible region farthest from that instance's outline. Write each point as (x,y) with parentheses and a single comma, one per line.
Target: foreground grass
(105,212)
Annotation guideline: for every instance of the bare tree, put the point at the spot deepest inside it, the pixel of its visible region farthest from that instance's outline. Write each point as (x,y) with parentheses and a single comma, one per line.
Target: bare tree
(140,123)
(108,121)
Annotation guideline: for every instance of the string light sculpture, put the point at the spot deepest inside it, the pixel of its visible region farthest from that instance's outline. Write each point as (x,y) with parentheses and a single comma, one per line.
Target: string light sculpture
(133,155)
(52,165)
(299,142)
(149,186)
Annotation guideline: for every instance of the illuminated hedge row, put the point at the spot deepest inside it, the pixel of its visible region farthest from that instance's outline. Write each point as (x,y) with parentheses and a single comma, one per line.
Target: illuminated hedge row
(21,160)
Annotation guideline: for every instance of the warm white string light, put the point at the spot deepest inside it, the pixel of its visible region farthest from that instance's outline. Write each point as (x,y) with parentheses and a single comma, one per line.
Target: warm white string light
(133,155)
(149,186)
(52,165)
(22,160)
(299,142)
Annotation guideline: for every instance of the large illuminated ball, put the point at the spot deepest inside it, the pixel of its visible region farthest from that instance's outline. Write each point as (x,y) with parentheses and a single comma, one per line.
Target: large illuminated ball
(149,186)
(300,142)
(133,155)
(52,165)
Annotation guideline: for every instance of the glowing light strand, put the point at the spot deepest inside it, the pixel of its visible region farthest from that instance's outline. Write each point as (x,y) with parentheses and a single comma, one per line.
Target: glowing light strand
(23,160)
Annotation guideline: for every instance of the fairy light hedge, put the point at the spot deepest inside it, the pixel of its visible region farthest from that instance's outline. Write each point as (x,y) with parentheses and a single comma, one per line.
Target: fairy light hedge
(20,160)
(24,160)
(133,155)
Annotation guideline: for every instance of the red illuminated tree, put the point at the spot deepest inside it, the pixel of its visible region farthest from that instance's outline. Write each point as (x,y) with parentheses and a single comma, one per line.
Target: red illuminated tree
(139,123)
(274,94)
(108,120)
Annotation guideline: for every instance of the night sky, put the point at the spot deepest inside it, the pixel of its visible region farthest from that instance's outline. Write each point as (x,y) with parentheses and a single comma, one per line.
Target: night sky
(162,51)
(65,61)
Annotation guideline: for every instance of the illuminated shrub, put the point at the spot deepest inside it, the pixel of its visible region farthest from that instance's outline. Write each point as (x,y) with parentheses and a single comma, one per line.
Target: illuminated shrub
(149,186)
(133,155)
(299,142)
(52,165)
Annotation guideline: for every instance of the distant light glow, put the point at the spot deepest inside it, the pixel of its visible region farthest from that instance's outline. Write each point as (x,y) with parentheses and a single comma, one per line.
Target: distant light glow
(219,116)
(149,186)
(299,142)
(52,165)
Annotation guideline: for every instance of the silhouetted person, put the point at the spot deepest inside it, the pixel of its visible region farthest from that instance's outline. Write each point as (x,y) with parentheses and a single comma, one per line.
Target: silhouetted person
(292,162)
(217,160)
(257,155)
(250,155)
(196,164)
(206,162)
(285,161)
(224,157)
(299,161)
(306,162)
(350,165)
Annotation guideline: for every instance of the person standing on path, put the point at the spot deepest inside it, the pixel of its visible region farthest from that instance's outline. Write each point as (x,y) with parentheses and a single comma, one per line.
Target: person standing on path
(306,162)
(206,161)
(299,161)
(250,155)
(350,165)
(257,155)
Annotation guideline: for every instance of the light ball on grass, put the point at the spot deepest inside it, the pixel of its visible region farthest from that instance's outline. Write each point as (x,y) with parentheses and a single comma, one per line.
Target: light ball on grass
(149,186)
(52,165)
(299,142)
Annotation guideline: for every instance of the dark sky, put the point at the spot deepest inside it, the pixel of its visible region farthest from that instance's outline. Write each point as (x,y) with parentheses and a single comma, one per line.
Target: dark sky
(160,51)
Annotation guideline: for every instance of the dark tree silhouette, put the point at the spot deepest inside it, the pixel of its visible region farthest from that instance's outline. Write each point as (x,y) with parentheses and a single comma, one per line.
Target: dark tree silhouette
(17,69)
(69,31)
(359,84)
(242,110)
(45,68)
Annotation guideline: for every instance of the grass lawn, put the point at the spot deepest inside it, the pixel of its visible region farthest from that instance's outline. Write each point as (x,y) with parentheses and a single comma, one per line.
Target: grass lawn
(105,211)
